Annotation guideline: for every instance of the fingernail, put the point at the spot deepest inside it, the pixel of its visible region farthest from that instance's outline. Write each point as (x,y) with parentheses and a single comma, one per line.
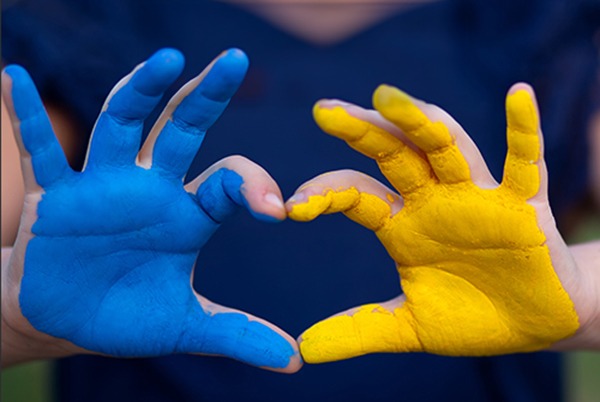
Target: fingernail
(273,199)
(297,198)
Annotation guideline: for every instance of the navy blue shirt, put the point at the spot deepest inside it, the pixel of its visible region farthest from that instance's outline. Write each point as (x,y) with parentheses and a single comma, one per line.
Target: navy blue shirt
(462,55)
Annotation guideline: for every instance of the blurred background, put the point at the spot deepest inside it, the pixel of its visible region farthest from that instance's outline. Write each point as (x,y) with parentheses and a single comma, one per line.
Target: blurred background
(75,59)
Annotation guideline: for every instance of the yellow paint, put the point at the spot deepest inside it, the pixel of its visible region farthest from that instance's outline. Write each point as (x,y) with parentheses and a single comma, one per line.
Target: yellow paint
(473,263)
(367,209)
(521,172)
(402,166)
(371,329)
(433,138)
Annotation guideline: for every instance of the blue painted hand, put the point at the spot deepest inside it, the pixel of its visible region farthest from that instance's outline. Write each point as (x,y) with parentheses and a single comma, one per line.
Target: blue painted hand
(104,256)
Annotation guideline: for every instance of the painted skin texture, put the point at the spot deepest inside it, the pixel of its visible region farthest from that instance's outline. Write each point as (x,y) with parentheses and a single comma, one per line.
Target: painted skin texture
(110,256)
(474,265)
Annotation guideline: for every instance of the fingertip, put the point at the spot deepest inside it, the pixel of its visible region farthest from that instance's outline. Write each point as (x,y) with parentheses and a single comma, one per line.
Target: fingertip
(236,63)
(517,97)
(253,341)
(20,92)
(7,83)
(317,108)
(341,120)
(309,208)
(523,93)
(295,363)
(14,76)
(398,107)
(521,110)
(321,114)
(327,109)
(170,55)
(270,209)
(14,70)
(385,94)
(279,352)
(521,86)
(159,71)
(328,104)
(226,75)
(238,182)
(284,346)
(390,96)
(323,342)
(297,198)
(315,197)
(236,55)
(307,351)
(259,192)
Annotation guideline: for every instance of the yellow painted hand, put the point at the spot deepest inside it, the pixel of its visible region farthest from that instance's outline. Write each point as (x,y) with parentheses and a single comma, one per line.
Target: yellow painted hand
(479,262)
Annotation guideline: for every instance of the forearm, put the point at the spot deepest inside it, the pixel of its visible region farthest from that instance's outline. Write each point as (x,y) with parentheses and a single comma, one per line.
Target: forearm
(587,258)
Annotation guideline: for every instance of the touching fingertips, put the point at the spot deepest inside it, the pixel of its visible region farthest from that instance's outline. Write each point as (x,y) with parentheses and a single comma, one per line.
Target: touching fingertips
(221,195)
(274,205)
(274,200)
(297,198)
(306,208)
(330,201)
(268,217)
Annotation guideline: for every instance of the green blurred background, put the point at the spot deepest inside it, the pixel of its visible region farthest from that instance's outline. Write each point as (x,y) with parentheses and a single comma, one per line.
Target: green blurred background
(33,382)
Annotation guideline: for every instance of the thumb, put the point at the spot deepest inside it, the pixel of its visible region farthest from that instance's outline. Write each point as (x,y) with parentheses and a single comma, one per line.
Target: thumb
(232,333)
(371,328)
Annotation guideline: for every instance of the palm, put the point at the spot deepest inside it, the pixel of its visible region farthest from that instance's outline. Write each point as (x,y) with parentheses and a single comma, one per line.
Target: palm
(108,253)
(143,233)
(134,208)
(463,278)
(474,264)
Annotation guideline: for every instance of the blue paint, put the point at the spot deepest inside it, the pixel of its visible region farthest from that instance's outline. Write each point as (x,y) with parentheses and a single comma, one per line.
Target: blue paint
(35,129)
(118,131)
(182,136)
(264,217)
(147,86)
(113,250)
(222,194)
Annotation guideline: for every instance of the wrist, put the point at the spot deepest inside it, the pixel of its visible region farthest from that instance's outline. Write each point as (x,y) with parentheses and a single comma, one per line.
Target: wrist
(21,342)
(21,348)
(587,299)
